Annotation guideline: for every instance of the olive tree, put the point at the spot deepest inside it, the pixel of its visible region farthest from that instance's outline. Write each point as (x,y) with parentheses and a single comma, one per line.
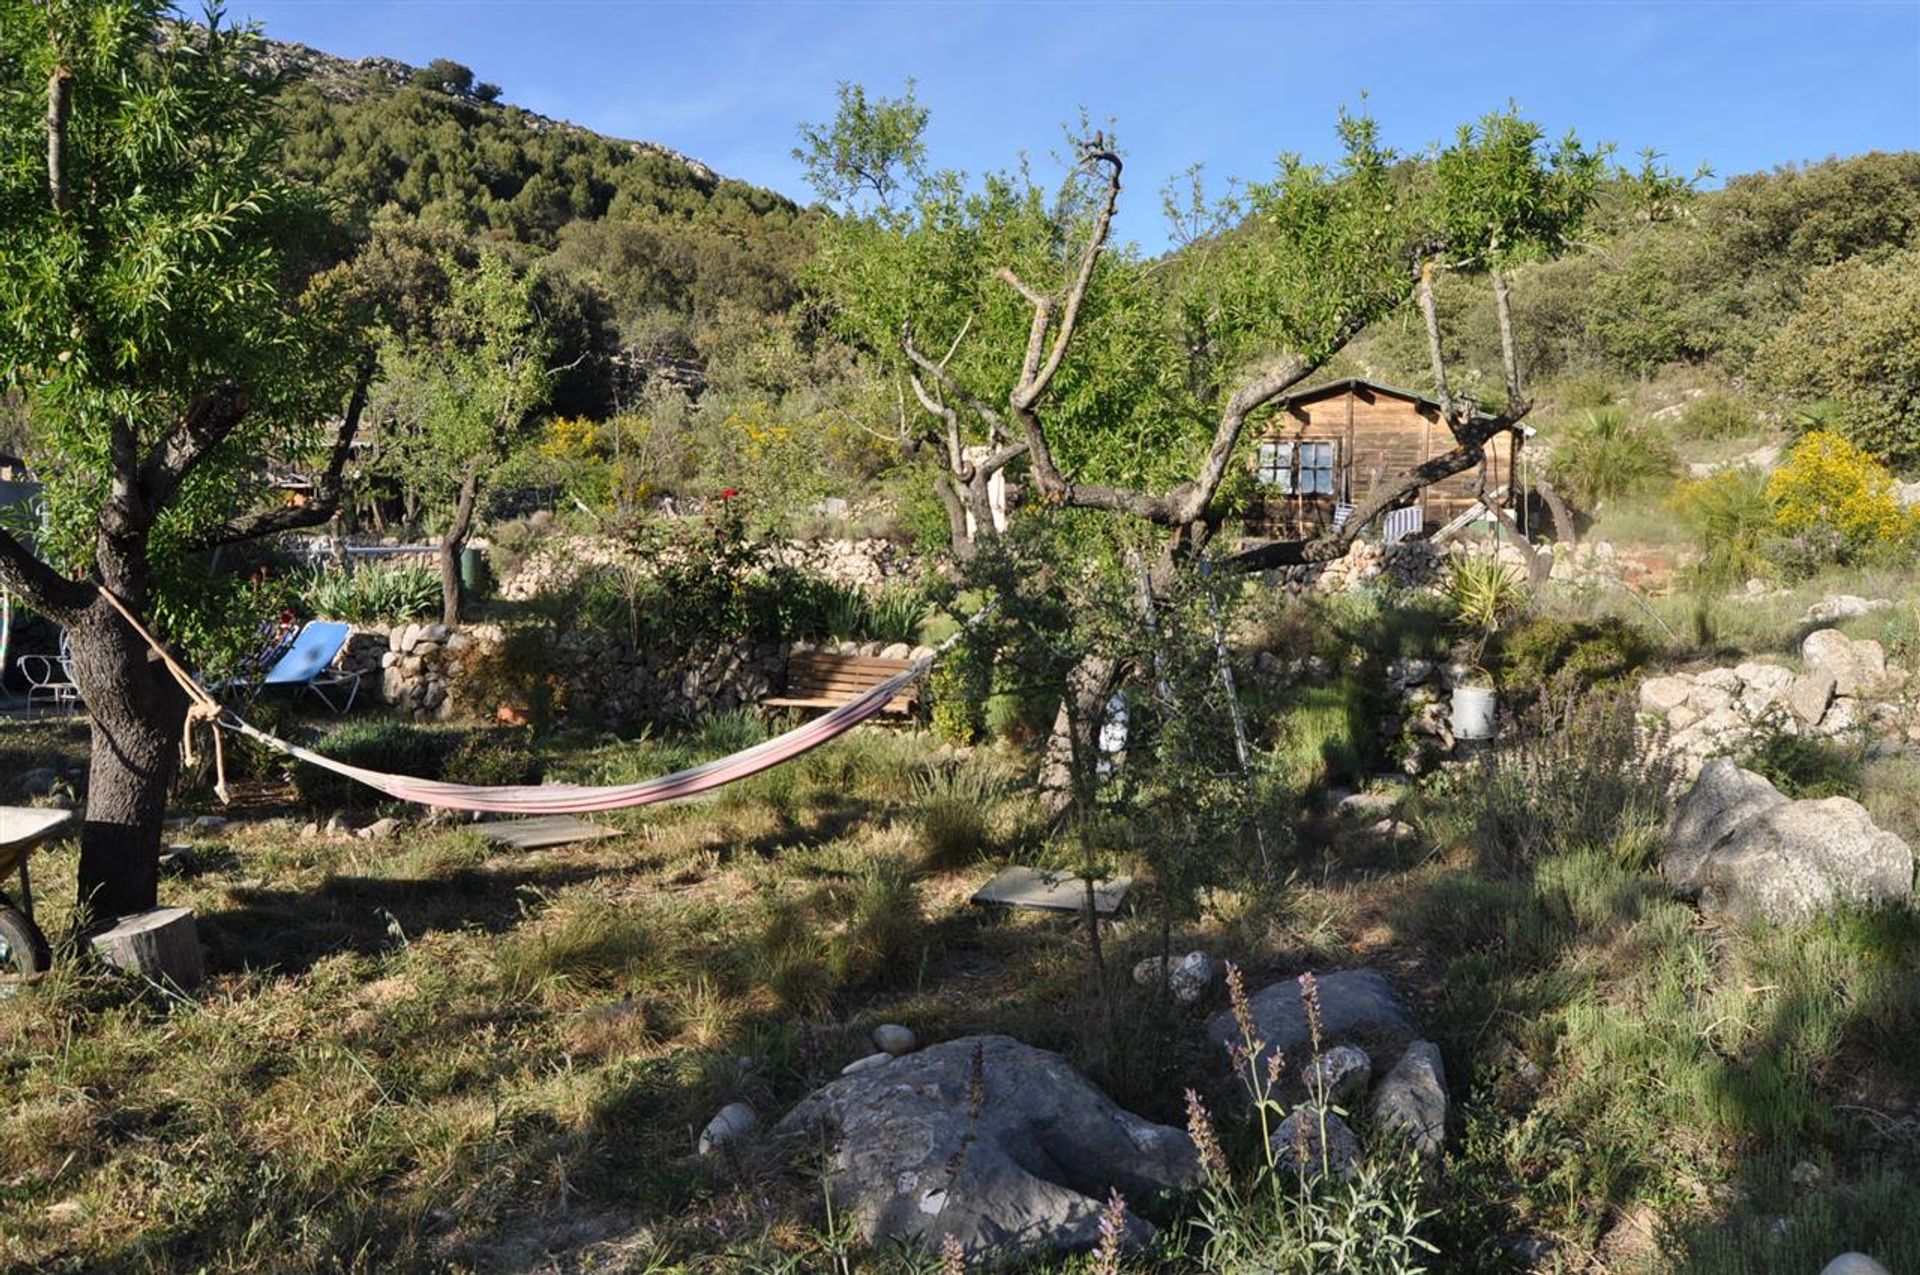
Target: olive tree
(165,357)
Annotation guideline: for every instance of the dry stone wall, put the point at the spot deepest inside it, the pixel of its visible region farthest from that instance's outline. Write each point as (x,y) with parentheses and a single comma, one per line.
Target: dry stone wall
(426,671)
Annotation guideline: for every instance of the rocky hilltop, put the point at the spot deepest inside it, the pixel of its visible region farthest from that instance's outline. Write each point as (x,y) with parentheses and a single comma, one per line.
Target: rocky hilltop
(356,79)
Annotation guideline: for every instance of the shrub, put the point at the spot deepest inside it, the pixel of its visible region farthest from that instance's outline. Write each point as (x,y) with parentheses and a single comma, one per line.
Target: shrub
(1292,1215)
(372,593)
(494,758)
(895,615)
(1716,416)
(957,689)
(1731,518)
(1482,593)
(1604,455)
(1856,340)
(1837,502)
(952,806)
(397,748)
(1575,777)
(1576,654)
(520,674)
(1803,767)
(1587,392)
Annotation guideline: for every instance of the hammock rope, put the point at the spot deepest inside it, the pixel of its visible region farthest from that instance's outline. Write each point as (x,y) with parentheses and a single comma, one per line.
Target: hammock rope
(547,799)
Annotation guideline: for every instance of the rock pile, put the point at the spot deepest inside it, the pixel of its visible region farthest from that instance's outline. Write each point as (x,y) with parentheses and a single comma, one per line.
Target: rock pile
(1746,852)
(1845,685)
(1361,1018)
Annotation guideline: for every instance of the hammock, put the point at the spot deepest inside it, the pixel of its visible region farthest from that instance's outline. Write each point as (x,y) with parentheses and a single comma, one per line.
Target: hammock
(542,799)
(558,799)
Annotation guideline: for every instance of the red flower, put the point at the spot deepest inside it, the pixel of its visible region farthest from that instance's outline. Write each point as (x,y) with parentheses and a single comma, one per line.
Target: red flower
(729,493)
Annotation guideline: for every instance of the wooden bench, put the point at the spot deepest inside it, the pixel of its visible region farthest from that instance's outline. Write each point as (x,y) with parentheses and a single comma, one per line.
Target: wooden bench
(821,679)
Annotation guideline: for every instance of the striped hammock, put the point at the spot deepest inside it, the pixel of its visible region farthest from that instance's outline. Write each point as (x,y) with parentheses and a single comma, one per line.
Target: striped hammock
(566,799)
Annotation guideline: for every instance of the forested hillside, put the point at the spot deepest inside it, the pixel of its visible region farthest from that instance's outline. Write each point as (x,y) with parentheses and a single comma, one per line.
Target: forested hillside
(1791,291)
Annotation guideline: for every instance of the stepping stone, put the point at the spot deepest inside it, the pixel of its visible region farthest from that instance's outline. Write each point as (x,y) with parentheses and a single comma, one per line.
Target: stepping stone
(547,830)
(1023,887)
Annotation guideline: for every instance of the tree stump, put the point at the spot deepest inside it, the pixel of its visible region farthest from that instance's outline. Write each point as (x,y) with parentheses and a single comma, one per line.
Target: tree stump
(160,944)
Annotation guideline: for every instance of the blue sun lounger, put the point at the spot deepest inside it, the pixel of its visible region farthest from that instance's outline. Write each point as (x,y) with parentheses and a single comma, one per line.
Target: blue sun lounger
(308,664)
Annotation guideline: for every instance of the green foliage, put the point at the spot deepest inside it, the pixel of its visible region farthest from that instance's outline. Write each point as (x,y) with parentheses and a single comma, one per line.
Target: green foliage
(1856,341)
(1291,1214)
(957,690)
(397,748)
(520,673)
(1731,517)
(1801,766)
(872,147)
(1578,655)
(496,757)
(461,389)
(1716,416)
(1575,779)
(444,75)
(1604,455)
(173,273)
(370,593)
(845,934)
(953,806)
(1323,735)
(1503,198)
(1482,593)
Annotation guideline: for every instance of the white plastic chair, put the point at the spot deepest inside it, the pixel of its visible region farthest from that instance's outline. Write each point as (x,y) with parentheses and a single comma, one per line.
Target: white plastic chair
(50,677)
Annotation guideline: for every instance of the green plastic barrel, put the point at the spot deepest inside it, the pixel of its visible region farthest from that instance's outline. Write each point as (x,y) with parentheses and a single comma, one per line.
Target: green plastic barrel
(473,570)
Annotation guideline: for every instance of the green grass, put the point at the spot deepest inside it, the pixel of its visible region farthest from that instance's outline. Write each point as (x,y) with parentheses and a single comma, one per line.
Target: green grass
(428,1054)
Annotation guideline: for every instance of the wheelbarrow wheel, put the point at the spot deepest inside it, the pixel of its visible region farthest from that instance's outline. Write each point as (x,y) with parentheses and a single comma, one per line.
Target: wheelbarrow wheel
(24,954)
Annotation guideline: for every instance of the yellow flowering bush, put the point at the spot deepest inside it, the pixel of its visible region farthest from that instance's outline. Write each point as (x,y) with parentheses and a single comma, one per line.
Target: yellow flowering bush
(1832,496)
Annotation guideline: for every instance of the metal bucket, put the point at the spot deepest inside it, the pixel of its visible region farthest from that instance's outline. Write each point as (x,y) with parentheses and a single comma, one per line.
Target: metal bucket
(1473,712)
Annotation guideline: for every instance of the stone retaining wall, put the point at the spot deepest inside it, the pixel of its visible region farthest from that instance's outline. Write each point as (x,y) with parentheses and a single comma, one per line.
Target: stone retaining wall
(420,670)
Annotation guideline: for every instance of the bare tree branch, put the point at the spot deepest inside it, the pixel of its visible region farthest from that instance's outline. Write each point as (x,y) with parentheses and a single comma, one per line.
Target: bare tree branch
(205,426)
(325,501)
(45,590)
(59,110)
(1441,392)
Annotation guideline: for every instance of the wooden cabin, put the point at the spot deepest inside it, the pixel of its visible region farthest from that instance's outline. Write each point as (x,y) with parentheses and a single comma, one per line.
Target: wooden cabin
(1329,446)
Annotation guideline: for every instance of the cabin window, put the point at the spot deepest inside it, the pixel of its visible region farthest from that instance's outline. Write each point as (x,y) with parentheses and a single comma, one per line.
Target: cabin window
(1303,468)
(1316,469)
(1274,466)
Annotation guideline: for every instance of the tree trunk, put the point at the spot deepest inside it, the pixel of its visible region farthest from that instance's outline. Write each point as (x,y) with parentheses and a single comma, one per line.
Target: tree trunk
(137,711)
(1073,748)
(450,545)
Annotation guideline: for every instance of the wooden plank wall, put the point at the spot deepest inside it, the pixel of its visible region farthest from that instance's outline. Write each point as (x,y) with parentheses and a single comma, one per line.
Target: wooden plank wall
(1379,436)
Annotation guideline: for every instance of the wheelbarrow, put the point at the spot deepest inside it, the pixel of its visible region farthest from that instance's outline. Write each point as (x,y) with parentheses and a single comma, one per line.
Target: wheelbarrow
(24,952)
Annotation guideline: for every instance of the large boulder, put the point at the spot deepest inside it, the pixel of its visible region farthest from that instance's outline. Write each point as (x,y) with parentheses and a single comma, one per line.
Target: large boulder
(1003,1146)
(1855,665)
(1357,1006)
(1747,852)
(1722,798)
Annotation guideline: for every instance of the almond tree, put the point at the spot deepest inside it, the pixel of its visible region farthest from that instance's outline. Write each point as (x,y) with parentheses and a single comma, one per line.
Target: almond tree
(161,342)
(1125,385)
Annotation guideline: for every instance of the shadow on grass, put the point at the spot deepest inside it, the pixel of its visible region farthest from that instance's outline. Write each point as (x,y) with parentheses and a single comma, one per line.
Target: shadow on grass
(289,930)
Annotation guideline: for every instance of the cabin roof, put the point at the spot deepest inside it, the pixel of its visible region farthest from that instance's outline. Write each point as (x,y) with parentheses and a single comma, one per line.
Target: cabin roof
(1353,383)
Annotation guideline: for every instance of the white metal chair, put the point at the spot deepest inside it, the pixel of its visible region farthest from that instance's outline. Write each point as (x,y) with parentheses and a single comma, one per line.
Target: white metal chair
(1400,524)
(50,677)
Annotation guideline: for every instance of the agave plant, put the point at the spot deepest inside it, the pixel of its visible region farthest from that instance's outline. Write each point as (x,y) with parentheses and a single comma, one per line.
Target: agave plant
(1482,593)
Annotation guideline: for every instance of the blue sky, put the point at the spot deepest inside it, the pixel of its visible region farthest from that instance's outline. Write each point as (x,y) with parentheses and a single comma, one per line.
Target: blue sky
(1738,86)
